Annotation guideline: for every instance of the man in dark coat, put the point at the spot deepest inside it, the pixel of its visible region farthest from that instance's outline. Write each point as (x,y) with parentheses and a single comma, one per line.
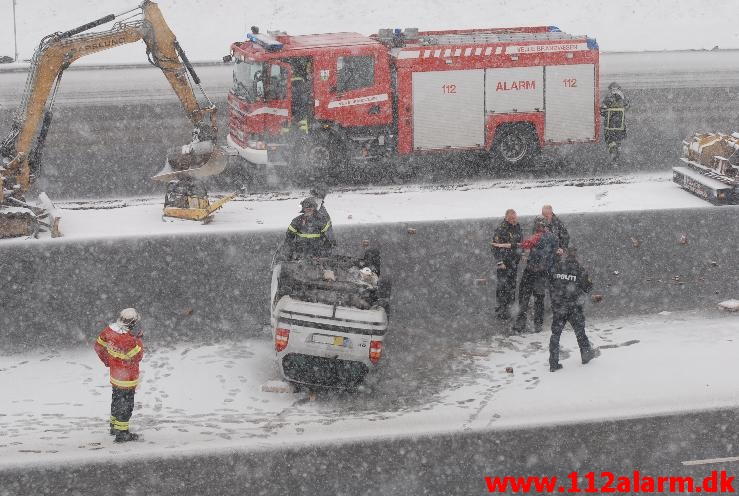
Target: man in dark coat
(613,111)
(506,262)
(309,234)
(543,246)
(555,225)
(569,284)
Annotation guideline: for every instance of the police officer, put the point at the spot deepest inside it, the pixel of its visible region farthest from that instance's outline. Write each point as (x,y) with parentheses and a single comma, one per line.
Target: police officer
(613,110)
(506,262)
(309,234)
(569,283)
(535,278)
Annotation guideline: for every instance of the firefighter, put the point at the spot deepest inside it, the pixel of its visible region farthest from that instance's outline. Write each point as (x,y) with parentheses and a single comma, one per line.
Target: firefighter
(120,348)
(613,110)
(555,225)
(569,284)
(506,262)
(302,100)
(309,234)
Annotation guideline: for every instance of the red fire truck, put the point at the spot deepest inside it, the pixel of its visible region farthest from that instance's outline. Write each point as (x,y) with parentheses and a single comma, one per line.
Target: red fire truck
(321,100)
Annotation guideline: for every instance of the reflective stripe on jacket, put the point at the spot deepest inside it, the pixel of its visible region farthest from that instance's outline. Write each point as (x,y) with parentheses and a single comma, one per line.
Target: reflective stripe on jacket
(122,352)
(311,236)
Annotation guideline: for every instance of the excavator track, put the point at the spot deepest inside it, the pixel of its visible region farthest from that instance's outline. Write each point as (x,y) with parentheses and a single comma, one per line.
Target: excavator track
(18,221)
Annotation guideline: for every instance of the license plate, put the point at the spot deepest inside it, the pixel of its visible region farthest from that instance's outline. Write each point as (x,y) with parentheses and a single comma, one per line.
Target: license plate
(332,340)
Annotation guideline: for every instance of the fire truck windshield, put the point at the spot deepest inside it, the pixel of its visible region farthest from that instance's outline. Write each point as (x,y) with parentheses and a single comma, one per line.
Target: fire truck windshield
(259,81)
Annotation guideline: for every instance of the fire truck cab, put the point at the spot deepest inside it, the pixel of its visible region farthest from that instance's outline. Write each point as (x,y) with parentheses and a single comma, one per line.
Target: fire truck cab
(318,101)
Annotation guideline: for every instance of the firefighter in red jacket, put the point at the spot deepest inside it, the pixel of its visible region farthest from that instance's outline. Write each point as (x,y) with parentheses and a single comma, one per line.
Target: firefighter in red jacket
(120,348)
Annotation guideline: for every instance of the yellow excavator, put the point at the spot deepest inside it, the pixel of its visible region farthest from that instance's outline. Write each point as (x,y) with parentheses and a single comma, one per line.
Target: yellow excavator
(20,150)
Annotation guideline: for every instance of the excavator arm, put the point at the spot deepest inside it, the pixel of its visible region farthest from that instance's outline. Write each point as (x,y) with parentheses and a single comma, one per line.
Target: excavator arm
(20,151)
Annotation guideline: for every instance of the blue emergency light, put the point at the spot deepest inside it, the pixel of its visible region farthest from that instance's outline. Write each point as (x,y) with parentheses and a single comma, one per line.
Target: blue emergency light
(267,42)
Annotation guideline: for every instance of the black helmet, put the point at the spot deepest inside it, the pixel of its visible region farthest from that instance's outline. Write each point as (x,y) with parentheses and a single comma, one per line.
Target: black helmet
(309,202)
(613,86)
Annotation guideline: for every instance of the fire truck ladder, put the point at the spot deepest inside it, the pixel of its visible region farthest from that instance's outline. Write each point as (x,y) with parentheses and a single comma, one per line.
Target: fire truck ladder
(484,38)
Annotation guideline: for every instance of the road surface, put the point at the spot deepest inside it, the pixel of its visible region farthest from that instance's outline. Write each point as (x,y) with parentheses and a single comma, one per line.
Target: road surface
(112,127)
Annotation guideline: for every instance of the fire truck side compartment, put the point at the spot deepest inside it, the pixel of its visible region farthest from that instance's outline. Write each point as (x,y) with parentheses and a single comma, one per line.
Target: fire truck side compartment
(570,93)
(448,109)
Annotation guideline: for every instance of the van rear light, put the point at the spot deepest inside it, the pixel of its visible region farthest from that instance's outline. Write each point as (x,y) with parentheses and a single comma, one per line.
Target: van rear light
(375,351)
(281,337)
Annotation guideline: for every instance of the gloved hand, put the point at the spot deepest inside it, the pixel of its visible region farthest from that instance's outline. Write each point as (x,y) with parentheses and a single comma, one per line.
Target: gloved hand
(500,266)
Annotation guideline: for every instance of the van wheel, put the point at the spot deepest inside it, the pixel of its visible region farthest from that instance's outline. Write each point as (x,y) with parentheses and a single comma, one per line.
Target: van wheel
(514,146)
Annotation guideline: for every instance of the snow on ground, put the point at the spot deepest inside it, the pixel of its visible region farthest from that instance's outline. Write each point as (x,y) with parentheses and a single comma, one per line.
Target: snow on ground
(209,397)
(479,199)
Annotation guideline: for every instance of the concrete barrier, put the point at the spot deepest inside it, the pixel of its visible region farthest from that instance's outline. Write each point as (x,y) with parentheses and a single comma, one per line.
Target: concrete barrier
(214,286)
(449,464)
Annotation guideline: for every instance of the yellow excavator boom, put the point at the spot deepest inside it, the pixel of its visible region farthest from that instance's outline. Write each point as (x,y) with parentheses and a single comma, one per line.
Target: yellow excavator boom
(20,151)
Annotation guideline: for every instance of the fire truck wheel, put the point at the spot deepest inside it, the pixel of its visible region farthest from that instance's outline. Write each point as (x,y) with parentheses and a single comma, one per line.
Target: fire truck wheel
(322,154)
(514,145)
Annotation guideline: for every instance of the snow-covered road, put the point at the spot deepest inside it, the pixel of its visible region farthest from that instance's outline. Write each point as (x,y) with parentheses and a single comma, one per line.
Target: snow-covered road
(461,200)
(199,398)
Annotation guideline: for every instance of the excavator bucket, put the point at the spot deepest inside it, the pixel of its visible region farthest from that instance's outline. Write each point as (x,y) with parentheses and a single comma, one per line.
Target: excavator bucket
(196,160)
(198,214)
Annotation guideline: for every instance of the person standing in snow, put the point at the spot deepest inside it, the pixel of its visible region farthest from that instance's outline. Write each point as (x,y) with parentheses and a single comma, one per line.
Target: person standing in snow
(309,234)
(120,348)
(555,225)
(506,262)
(543,246)
(569,284)
(613,111)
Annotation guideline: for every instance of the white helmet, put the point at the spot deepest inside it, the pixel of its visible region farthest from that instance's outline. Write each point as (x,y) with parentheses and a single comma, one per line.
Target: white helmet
(128,318)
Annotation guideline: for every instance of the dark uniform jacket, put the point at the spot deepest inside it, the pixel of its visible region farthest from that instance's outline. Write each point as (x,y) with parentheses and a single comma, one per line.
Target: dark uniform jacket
(541,256)
(560,231)
(309,236)
(508,233)
(569,283)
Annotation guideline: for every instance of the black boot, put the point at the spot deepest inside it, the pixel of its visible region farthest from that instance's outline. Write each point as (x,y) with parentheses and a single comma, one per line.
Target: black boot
(588,354)
(553,367)
(125,436)
(112,431)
